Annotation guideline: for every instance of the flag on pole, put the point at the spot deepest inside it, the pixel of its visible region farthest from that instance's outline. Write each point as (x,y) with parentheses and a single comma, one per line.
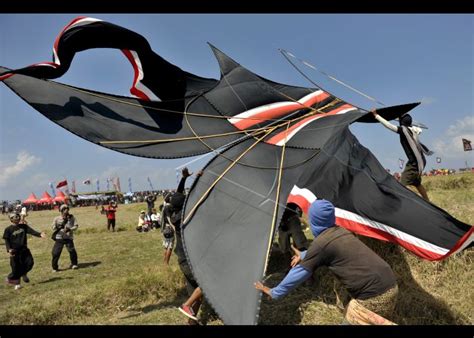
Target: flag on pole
(61,184)
(52,188)
(98,186)
(438,159)
(400,163)
(116,183)
(466,144)
(151,185)
(130,184)
(177,176)
(87,182)
(108,184)
(73,189)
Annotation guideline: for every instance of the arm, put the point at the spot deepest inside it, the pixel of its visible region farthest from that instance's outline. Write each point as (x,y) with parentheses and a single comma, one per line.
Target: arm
(295,277)
(186,174)
(72,223)
(385,123)
(7,240)
(33,232)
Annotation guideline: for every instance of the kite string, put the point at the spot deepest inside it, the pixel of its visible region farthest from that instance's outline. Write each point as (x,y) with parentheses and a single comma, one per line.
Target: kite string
(204,195)
(277,199)
(285,53)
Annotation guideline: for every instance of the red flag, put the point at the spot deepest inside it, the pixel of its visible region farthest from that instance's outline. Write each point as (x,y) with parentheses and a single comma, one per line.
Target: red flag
(61,184)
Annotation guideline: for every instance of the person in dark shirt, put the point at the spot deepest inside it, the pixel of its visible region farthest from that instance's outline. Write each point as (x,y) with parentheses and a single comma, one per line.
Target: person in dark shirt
(290,227)
(150,202)
(21,260)
(367,277)
(413,148)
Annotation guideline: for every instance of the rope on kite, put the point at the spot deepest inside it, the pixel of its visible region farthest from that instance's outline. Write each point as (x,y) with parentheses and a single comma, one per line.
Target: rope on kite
(286,54)
(204,195)
(277,199)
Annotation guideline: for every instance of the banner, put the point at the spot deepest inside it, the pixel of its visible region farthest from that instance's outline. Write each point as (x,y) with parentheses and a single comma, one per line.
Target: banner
(73,189)
(116,183)
(98,186)
(52,188)
(108,184)
(130,184)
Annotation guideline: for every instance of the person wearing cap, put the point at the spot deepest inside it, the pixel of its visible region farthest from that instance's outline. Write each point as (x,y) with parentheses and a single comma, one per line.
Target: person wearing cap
(414,149)
(368,278)
(21,260)
(63,227)
(142,226)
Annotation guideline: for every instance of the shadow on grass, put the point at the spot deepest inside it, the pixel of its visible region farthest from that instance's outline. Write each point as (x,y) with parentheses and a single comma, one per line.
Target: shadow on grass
(88,265)
(135,312)
(53,280)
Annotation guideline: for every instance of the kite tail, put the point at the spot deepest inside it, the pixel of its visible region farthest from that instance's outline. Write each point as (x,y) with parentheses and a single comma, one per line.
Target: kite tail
(154,77)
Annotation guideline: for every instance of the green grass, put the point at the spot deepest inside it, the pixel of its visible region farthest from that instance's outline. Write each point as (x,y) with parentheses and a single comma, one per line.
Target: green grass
(122,279)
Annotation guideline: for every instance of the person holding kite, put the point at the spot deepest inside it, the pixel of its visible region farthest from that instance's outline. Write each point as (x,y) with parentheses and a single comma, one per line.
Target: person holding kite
(368,278)
(413,148)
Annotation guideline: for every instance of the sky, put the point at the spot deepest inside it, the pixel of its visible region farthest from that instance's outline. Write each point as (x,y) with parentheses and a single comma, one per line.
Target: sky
(395,58)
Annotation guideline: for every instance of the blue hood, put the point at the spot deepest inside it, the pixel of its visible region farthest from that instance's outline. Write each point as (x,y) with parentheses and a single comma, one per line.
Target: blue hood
(321,216)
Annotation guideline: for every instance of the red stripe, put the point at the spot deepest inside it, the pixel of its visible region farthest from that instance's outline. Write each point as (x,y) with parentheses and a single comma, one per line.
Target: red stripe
(365,230)
(56,42)
(6,76)
(280,136)
(299,200)
(134,90)
(278,111)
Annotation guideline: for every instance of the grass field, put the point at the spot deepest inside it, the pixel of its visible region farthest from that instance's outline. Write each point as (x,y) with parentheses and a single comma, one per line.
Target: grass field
(122,279)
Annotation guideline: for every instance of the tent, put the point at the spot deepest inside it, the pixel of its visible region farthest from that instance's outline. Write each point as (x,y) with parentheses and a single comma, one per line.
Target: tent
(46,198)
(60,197)
(31,199)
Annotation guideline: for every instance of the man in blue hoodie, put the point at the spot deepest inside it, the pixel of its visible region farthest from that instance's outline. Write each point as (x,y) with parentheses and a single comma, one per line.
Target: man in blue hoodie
(367,277)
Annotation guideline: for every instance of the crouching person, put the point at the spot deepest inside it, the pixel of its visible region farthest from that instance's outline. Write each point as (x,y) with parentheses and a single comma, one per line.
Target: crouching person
(367,277)
(21,260)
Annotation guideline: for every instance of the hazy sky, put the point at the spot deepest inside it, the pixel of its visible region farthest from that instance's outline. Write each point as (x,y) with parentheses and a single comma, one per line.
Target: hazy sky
(394,58)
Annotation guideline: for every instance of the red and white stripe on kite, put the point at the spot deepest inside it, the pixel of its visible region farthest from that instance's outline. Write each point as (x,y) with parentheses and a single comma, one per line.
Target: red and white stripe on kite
(366,227)
(264,113)
(77,22)
(301,197)
(284,136)
(138,89)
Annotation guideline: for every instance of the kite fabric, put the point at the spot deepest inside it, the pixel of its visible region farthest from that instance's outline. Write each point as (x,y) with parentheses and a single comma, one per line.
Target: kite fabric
(274,143)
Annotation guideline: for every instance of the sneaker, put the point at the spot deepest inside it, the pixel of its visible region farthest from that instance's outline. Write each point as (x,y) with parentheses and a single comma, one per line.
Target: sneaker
(55,270)
(74,267)
(26,279)
(18,287)
(187,311)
